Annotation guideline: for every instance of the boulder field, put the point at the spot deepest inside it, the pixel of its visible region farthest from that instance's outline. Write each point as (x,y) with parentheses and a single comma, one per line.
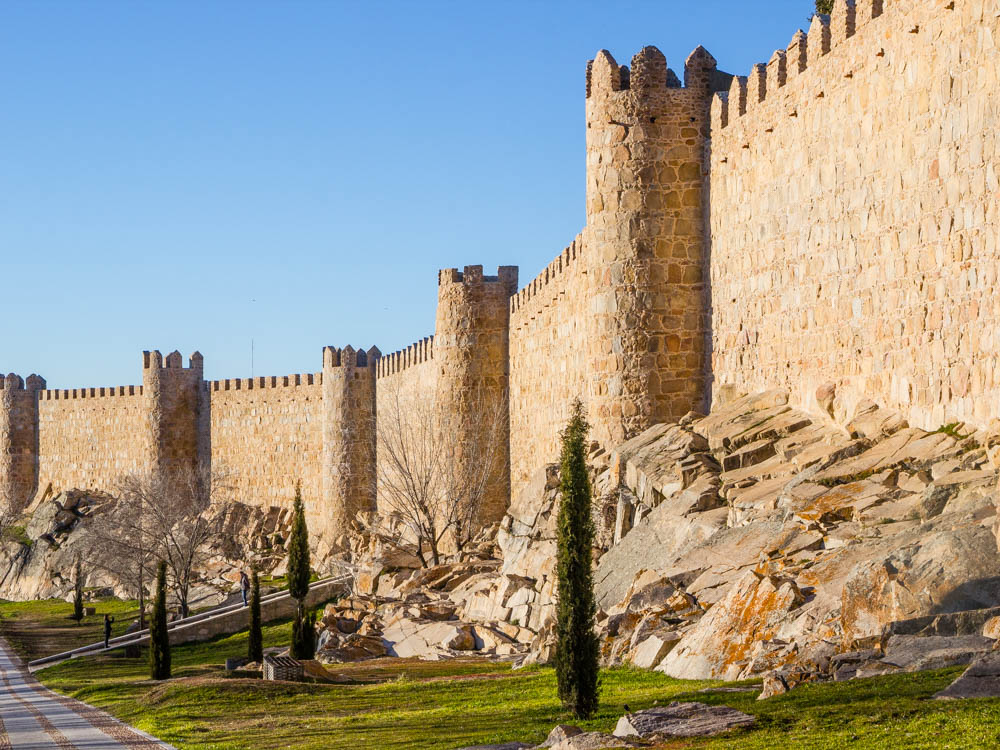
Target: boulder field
(755,540)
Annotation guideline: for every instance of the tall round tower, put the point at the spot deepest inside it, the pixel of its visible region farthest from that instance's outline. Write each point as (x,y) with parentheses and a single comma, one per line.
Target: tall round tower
(645,240)
(18,440)
(471,359)
(348,471)
(176,409)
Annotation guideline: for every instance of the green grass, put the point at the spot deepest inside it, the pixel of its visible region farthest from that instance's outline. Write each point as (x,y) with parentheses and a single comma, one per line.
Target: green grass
(17,534)
(40,628)
(951,429)
(394,703)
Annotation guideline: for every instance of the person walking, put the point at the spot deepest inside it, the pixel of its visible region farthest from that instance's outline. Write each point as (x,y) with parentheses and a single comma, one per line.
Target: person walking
(244,586)
(107,629)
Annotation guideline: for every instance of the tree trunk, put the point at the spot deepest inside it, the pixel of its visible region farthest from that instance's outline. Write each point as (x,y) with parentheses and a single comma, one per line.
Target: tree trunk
(142,607)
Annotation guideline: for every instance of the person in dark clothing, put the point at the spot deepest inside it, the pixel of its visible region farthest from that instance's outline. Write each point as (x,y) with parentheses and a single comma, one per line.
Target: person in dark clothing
(107,629)
(244,586)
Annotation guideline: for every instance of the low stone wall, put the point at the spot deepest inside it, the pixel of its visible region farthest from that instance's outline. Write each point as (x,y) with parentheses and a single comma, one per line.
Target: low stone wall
(239,619)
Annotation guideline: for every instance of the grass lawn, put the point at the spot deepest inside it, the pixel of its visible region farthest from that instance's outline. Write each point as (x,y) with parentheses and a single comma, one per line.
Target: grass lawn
(41,628)
(395,703)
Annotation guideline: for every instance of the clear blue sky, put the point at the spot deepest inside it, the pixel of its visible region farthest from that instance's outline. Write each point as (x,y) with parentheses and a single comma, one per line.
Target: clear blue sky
(191,175)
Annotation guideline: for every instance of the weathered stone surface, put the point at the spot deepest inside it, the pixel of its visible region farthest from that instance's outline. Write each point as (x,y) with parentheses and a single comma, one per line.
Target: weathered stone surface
(774,684)
(559,733)
(838,516)
(914,653)
(942,568)
(682,720)
(720,645)
(980,680)
(992,628)
(591,741)
(428,640)
(651,651)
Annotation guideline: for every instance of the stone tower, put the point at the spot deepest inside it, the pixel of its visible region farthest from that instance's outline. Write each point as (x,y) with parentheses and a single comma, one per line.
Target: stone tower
(471,342)
(18,440)
(645,240)
(175,397)
(348,470)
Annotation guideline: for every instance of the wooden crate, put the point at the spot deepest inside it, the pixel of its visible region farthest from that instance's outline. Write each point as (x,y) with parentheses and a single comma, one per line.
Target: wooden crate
(282,668)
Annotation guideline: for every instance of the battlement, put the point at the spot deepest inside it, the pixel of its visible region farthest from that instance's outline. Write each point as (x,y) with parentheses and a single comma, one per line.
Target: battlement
(66,394)
(12,381)
(415,354)
(804,51)
(260,383)
(561,264)
(649,72)
(174,361)
(350,357)
(471,275)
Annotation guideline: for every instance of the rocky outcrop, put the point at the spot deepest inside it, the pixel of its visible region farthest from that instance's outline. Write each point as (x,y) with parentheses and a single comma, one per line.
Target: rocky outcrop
(790,538)
(37,557)
(421,621)
(738,636)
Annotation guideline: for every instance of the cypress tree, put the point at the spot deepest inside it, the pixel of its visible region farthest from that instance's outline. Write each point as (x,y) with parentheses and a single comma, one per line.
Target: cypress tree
(298,579)
(78,593)
(824,6)
(304,636)
(159,638)
(255,640)
(298,551)
(576,655)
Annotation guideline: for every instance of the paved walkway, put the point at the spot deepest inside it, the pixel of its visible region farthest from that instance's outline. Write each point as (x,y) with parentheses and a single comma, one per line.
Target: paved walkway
(32,717)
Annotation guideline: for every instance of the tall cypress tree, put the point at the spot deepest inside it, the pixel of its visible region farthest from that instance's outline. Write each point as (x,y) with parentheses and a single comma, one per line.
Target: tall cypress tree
(577,649)
(255,639)
(159,638)
(78,592)
(298,578)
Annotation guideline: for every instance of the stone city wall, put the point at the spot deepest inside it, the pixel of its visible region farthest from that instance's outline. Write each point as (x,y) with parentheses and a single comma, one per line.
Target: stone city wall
(90,437)
(854,213)
(266,434)
(548,360)
(406,386)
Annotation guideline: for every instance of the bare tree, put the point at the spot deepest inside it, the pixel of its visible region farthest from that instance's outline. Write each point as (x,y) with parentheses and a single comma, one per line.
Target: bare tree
(177,517)
(476,471)
(189,523)
(125,540)
(434,476)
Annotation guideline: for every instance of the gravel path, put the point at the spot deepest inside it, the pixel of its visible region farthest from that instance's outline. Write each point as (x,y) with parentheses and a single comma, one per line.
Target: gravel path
(32,717)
